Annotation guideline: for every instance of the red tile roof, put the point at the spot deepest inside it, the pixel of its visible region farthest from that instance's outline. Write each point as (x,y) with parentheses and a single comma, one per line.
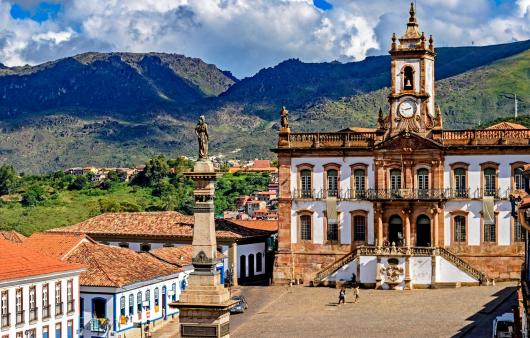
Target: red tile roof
(178,255)
(117,267)
(261,164)
(264,225)
(163,224)
(13,236)
(57,245)
(507,125)
(18,262)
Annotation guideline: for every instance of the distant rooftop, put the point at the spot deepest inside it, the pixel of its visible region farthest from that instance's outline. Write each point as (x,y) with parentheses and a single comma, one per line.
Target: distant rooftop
(12,236)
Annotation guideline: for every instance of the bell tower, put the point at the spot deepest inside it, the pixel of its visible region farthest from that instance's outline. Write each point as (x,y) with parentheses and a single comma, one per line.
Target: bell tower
(412,105)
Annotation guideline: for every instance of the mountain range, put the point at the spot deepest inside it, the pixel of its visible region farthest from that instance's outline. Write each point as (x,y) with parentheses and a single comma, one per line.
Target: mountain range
(118,109)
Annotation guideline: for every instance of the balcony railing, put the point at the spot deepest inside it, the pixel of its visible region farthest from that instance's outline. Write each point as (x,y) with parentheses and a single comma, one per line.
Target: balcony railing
(19,317)
(46,311)
(484,137)
(6,319)
(400,194)
(99,325)
(331,140)
(59,309)
(70,306)
(33,314)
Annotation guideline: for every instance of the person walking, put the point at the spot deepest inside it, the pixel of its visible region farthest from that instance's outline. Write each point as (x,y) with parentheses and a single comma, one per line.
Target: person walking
(342,295)
(356,293)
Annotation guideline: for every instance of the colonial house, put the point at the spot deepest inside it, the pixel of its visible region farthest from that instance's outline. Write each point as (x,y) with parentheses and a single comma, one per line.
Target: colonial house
(146,231)
(407,204)
(122,291)
(39,295)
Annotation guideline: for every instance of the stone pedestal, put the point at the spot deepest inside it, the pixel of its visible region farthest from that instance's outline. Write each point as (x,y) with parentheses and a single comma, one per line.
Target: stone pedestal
(204,305)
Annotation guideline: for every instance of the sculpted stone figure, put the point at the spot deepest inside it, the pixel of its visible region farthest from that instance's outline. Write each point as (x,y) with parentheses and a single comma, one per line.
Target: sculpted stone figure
(284,117)
(201,130)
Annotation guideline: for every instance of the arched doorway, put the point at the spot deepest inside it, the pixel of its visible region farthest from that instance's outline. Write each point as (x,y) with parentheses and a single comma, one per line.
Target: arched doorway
(242,266)
(395,230)
(423,231)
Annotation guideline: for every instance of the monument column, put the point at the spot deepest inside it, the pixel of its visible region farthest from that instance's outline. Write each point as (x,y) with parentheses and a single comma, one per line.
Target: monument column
(407,212)
(435,215)
(232,262)
(379,212)
(204,305)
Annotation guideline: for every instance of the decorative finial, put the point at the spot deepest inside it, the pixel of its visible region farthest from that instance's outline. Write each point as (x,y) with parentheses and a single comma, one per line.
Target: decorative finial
(422,40)
(431,43)
(412,13)
(394,41)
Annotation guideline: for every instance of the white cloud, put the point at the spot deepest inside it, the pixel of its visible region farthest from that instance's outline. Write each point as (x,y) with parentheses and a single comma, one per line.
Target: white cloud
(246,35)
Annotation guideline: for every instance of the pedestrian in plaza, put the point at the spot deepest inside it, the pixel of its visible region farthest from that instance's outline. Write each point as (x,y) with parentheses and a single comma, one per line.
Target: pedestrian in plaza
(342,295)
(356,293)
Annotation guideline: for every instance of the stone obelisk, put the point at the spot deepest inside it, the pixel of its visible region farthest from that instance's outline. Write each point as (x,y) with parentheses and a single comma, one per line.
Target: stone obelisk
(204,304)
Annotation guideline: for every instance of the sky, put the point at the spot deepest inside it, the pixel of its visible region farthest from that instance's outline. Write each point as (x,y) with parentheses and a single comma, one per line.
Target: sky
(243,36)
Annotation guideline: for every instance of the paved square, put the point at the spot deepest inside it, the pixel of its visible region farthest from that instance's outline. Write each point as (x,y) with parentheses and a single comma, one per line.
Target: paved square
(313,312)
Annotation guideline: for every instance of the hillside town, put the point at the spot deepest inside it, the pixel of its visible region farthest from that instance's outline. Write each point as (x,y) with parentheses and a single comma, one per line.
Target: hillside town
(406,229)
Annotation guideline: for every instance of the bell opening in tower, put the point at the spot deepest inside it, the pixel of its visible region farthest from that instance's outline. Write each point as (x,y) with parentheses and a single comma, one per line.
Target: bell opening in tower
(408,78)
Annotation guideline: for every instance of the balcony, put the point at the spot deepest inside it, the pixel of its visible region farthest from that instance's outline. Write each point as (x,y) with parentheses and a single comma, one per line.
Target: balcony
(19,317)
(6,320)
(331,140)
(46,311)
(33,314)
(70,306)
(99,325)
(59,308)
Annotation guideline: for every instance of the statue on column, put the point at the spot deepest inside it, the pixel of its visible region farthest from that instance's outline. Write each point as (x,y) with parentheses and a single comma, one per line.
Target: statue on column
(284,118)
(201,130)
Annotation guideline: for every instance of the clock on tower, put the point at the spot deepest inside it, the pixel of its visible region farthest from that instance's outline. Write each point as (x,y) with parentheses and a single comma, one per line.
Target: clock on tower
(411,101)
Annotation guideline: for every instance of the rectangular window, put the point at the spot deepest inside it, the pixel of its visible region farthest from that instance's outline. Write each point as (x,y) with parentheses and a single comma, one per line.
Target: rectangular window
(157,296)
(333,182)
(360,183)
(305,227)
(19,306)
(139,304)
(333,232)
(45,332)
(58,298)
(489,232)
(20,334)
(81,313)
(359,228)
(490,175)
(395,180)
(58,331)
(148,299)
(45,301)
(460,183)
(32,303)
(518,179)
(519,233)
(460,228)
(122,305)
(131,304)
(305,183)
(70,296)
(5,309)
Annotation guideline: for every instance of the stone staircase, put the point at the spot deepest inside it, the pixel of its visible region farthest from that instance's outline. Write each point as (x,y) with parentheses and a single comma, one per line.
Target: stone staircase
(389,251)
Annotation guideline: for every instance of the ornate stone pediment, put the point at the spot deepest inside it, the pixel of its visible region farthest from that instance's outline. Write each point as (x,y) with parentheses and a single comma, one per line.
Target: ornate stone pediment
(408,142)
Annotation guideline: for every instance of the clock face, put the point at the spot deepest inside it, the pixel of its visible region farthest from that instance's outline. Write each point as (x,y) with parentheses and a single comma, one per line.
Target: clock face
(407,109)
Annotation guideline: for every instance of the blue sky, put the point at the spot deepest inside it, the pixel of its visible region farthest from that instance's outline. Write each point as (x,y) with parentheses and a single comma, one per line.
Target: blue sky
(244,36)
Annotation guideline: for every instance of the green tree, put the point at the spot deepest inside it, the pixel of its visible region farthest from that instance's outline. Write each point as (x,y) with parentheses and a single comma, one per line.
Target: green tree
(156,170)
(79,183)
(8,179)
(34,195)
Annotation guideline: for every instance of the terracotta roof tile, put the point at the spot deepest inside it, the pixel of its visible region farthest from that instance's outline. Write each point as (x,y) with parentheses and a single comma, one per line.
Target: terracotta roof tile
(18,262)
(261,164)
(507,125)
(178,255)
(264,225)
(117,267)
(57,245)
(168,224)
(13,236)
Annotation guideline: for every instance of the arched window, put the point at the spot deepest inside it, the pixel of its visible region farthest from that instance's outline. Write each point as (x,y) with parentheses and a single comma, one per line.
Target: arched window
(305,183)
(332,182)
(174,289)
(122,306)
(148,298)
(259,262)
(359,228)
(360,182)
(305,227)
(408,78)
(139,302)
(395,180)
(518,178)
(157,296)
(490,178)
(251,266)
(131,304)
(460,228)
(242,266)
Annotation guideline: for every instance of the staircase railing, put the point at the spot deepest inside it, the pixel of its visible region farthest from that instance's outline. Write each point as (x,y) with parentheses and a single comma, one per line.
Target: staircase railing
(328,270)
(462,265)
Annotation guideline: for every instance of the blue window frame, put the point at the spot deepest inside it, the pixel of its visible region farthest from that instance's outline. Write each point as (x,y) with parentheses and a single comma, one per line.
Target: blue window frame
(70,329)
(174,289)
(148,298)
(131,304)
(81,313)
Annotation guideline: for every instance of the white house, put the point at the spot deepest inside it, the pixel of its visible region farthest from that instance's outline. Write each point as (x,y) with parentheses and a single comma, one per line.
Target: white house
(39,296)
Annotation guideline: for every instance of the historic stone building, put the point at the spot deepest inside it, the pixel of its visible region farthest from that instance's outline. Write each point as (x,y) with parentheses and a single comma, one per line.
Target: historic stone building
(408,204)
